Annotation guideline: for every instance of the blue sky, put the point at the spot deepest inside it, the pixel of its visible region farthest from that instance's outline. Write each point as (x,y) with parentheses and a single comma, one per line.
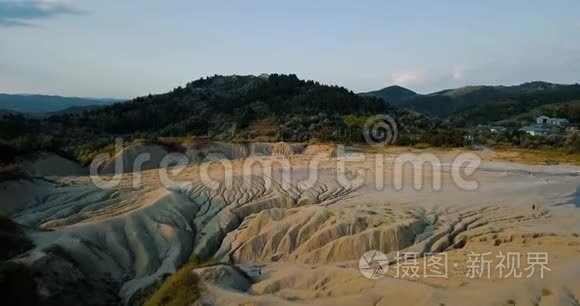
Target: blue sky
(112,48)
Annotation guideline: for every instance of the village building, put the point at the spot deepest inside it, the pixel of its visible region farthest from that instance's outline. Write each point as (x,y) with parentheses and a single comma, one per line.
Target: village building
(535,130)
(545,120)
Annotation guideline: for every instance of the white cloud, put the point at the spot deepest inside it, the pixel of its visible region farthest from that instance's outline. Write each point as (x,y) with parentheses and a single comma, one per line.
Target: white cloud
(24,13)
(457,73)
(406,77)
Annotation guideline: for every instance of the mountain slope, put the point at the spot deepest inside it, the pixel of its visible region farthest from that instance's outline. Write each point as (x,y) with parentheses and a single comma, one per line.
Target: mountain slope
(45,103)
(481,104)
(392,94)
(75,110)
(569,110)
(230,108)
(223,105)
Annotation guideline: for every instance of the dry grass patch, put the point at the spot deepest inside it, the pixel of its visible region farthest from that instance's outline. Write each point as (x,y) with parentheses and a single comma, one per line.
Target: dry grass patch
(536,156)
(9,172)
(182,287)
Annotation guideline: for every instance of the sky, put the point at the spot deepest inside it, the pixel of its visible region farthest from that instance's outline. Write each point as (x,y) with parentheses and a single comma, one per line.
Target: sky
(129,48)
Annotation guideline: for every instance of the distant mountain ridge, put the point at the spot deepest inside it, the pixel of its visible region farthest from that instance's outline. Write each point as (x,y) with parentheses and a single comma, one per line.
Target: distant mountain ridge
(24,103)
(392,93)
(481,104)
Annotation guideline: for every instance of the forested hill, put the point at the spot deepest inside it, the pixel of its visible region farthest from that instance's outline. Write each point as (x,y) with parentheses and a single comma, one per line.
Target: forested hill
(224,103)
(233,108)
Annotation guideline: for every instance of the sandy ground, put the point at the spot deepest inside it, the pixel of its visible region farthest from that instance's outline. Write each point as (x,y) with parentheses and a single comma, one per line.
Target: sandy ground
(286,242)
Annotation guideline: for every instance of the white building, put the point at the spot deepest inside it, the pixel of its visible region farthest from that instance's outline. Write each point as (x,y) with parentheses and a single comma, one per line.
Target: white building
(559,121)
(543,120)
(552,121)
(535,130)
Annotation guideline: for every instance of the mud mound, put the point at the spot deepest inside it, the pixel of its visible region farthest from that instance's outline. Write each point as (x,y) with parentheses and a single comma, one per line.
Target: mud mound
(220,150)
(48,164)
(314,234)
(133,237)
(223,150)
(18,195)
(321,149)
(224,276)
(135,158)
(282,149)
(130,237)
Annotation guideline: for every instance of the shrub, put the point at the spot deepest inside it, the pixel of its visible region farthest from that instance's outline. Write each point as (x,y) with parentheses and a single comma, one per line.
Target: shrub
(422,145)
(546,292)
(181,288)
